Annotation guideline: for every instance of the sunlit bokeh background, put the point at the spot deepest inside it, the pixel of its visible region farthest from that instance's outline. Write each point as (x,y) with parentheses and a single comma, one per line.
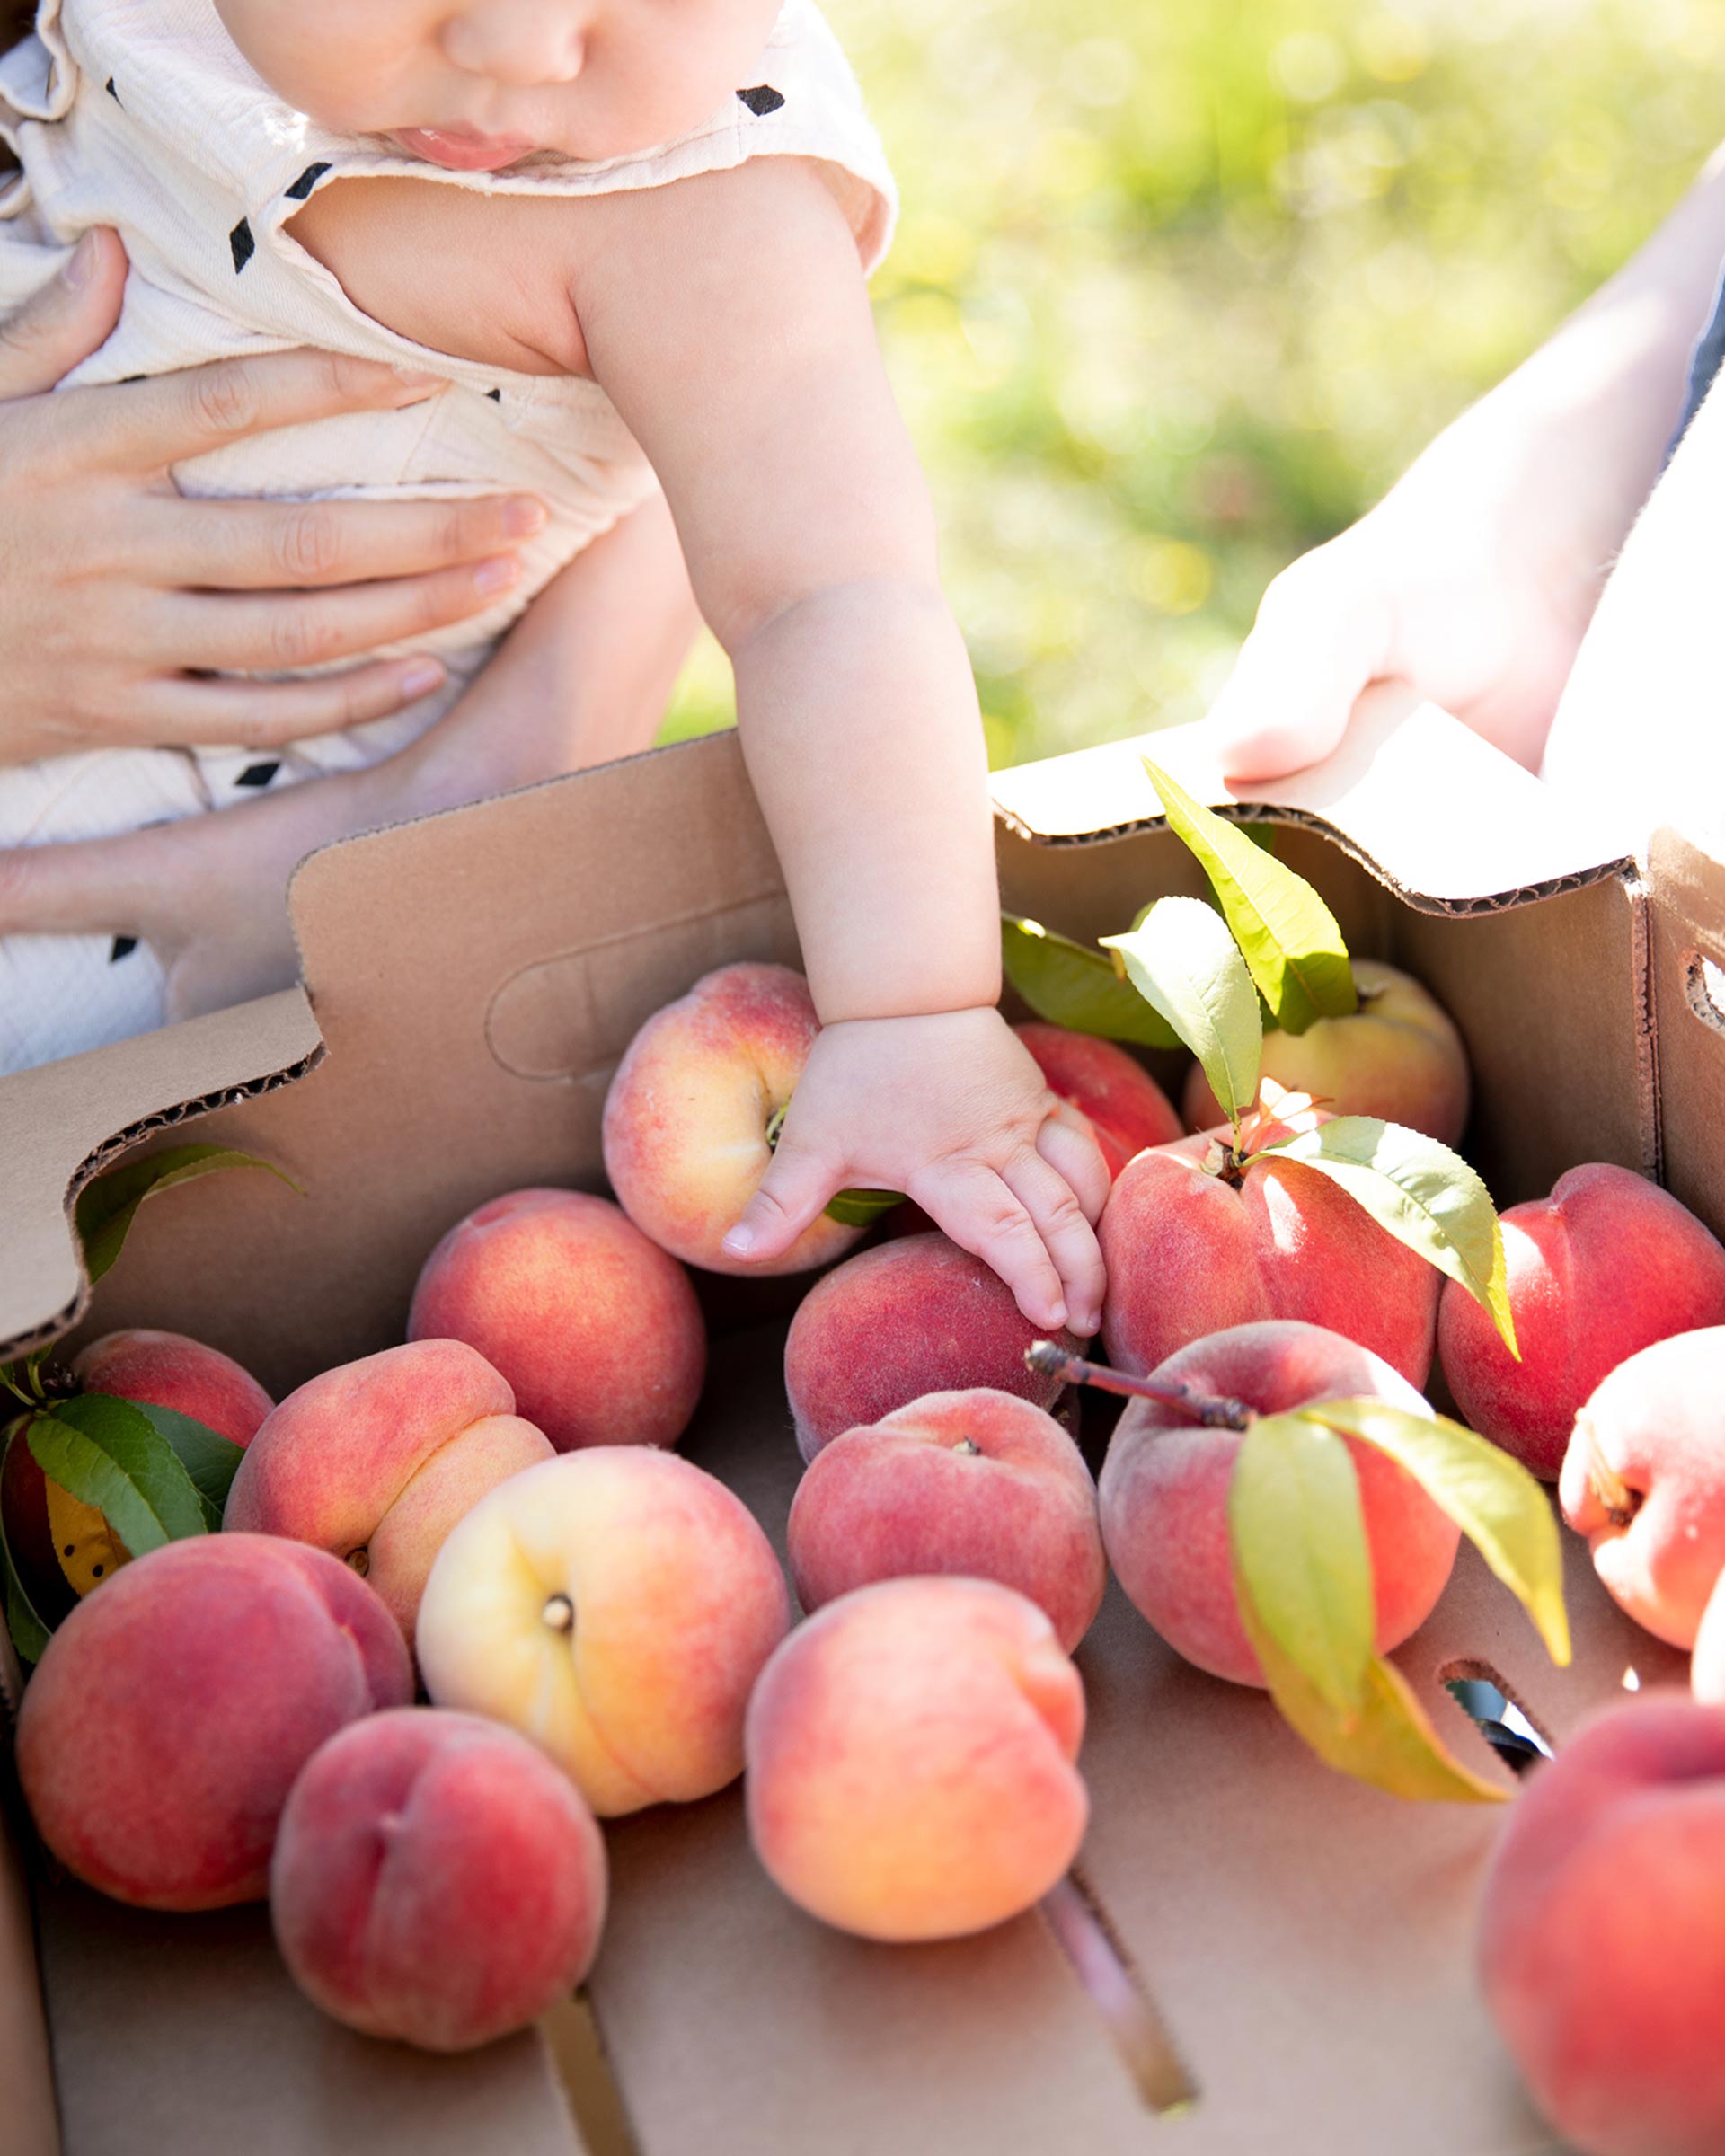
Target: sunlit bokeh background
(1182,285)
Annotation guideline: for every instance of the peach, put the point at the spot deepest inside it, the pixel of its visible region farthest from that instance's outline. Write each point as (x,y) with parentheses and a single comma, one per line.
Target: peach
(375,1461)
(911,1756)
(693,1114)
(979,1483)
(167,1370)
(1399,1057)
(1190,1251)
(435,1879)
(596,1329)
(1604,1266)
(1707,1666)
(1127,1108)
(1602,1932)
(615,1605)
(912,1316)
(1644,1480)
(170,1713)
(1165,1492)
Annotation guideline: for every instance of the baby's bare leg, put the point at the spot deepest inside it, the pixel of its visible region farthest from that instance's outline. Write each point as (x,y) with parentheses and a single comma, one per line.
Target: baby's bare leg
(1640,729)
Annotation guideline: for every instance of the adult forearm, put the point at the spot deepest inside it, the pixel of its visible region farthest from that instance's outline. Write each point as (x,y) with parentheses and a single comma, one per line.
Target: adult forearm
(859,721)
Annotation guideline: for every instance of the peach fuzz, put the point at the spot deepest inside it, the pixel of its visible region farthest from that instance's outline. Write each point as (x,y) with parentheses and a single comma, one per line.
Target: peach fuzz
(1602,1932)
(1605,1266)
(1191,1252)
(375,1461)
(1165,1492)
(595,1328)
(1644,1480)
(911,1756)
(172,1713)
(615,1605)
(435,1879)
(1398,1057)
(979,1484)
(912,1316)
(692,1116)
(1127,1108)
(167,1370)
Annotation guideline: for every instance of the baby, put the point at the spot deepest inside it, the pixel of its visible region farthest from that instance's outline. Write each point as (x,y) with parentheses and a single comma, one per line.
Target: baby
(631,237)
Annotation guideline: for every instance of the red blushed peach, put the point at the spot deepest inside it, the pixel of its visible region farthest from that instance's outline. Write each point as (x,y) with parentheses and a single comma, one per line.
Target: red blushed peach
(1191,1253)
(1165,1492)
(913,1316)
(166,1722)
(911,1758)
(1398,1057)
(1644,1480)
(1604,1266)
(435,1879)
(595,1328)
(166,1370)
(1707,1666)
(1602,1932)
(615,1605)
(978,1484)
(1127,1108)
(376,1461)
(693,1115)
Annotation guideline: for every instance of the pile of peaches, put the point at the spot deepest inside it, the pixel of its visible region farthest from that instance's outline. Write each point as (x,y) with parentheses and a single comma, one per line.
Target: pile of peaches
(493,1513)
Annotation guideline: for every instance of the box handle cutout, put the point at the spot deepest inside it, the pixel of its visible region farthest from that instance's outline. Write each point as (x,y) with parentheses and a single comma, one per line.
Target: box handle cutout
(1083,1934)
(1703,982)
(1500,1717)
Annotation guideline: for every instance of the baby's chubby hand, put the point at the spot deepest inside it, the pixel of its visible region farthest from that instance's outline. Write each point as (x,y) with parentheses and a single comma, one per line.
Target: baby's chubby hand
(950,1108)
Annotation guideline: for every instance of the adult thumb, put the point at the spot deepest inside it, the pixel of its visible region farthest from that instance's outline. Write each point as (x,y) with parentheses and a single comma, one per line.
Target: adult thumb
(793,1194)
(72,315)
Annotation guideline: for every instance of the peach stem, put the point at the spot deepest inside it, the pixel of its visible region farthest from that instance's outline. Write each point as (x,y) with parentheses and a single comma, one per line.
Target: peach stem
(1208,1410)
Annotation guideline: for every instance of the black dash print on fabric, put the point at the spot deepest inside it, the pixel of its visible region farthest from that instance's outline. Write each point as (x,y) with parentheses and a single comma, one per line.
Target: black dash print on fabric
(762,100)
(121,948)
(301,189)
(109,86)
(126,381)
(243,245)
(496,395)
(257,774)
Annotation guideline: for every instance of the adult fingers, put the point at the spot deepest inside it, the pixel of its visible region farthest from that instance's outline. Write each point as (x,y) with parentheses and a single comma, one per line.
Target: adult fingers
(795,1191)
(287,630)
(185,712)
(67,320)
(1322,634)
(146,425)
(87,887)
(982,1214)
(1066,1235)
(299,545)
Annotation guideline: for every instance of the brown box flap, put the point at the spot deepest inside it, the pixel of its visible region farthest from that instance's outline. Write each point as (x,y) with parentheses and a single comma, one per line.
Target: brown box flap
(1686,965)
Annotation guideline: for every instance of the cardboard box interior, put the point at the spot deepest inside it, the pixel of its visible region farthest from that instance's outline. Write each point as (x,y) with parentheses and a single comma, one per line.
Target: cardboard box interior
(1286,1947)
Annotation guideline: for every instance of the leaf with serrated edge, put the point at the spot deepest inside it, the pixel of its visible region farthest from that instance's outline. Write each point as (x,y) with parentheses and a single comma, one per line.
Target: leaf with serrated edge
(1287,934)
(1075,985)
(30,1634)
(1491,1498)
(107,1206)
(1186,966)
(862,1208)
(211,1459)
(112,1456)
(1426,1195)
(1392,1746)
(1298,1539)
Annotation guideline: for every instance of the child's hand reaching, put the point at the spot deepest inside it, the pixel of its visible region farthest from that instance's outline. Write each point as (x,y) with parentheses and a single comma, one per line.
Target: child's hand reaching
(951,1109)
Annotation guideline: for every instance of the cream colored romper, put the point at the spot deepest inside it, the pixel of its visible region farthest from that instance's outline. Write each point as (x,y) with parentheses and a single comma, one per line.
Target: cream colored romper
(141,114)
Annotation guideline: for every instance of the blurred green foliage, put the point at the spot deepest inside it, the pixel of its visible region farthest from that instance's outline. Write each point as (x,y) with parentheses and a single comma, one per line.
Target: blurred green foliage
(1181,286)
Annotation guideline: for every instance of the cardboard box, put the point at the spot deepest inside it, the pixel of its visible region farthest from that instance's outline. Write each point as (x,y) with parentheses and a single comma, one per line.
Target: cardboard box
(1291,1950)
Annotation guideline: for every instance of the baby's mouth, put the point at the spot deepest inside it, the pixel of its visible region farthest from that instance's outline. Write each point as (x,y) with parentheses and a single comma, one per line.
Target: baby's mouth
(463,149)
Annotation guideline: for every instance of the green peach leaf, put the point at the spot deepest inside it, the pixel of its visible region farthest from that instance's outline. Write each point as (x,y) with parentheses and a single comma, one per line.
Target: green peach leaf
(1300,1559)
(1391,1745)
(108,1206)
(1186,966)
(1491,1498)
(211,1459)
(862,1208)
(1426,1195)
(30,1633)
(1075,986)
(1287,934)
(109,1453)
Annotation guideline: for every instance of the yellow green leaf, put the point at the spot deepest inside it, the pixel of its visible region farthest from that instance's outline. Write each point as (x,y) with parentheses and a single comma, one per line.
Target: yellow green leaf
(1183,962)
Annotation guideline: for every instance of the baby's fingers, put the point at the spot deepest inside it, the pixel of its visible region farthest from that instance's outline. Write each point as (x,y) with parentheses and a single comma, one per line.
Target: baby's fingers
(980,1211)
(794,1192)
(1067,1143)
(1067,1236)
